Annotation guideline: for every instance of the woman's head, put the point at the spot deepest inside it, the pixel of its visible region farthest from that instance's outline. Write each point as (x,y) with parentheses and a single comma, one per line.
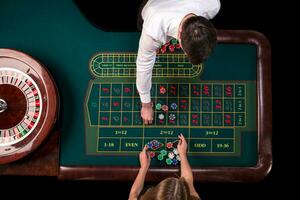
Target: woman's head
(169,189)
(198,37)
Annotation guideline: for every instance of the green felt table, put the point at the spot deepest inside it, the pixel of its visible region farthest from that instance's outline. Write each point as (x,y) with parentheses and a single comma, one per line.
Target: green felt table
(214,116)
(222,103)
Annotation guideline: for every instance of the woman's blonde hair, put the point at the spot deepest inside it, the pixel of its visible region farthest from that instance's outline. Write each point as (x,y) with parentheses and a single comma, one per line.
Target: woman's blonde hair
(169,189)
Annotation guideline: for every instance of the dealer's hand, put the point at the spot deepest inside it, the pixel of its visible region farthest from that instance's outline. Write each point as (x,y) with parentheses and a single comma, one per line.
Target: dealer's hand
(147,113)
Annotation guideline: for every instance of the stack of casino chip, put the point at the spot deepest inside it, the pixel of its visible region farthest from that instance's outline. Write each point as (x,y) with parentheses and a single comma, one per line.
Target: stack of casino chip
(161,155)
(154,145)
(171,155)
(172,45)
(175,151)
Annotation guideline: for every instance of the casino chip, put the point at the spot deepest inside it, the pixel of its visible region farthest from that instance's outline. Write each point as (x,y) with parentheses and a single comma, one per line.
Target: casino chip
(160,157)
(175,151)
(152,154)
(163,152)
(165,108)
(169,145)
(154,145)
(172,117)
(149,145)
(161,116)
(169,161)
(162,90)
(174,162)
(163,49)
(171,48)
(174,106)
(158,106)
(174,41)
(171,155)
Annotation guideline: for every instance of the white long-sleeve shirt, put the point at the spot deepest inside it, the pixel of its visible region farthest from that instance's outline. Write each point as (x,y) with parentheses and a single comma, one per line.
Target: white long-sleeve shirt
(161,23)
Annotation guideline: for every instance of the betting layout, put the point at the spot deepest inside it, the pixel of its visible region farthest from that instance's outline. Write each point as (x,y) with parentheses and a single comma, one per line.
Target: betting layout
(210,114)
(196,105)
(170,62)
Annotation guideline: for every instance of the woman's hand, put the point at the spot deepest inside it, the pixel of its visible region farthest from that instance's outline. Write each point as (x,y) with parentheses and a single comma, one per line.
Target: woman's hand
(145,159)
(182,146)
(138,184)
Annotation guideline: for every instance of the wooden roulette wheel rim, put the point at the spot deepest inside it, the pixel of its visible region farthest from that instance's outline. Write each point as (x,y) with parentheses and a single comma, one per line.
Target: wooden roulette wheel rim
(28,104)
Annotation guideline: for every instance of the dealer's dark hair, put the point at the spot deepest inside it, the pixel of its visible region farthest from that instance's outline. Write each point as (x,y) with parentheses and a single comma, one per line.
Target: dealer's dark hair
(198,38)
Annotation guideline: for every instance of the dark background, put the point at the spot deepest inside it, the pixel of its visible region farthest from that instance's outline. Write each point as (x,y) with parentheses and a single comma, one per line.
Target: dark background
(234,14)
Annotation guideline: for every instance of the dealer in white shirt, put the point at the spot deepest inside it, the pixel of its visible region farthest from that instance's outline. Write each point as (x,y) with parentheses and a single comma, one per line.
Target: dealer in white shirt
(185,20)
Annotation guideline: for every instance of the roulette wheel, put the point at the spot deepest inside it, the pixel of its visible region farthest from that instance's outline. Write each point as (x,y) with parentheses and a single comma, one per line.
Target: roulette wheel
(28,104)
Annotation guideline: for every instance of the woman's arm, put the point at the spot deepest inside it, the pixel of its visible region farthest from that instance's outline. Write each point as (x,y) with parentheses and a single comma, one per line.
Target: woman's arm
(185,168)
(138,184)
